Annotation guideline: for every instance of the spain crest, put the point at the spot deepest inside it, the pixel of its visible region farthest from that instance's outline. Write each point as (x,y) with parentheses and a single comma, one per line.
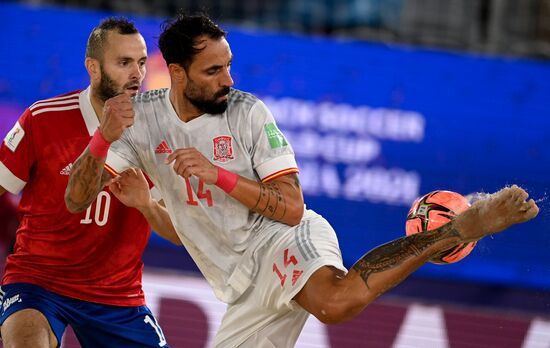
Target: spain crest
(223,149)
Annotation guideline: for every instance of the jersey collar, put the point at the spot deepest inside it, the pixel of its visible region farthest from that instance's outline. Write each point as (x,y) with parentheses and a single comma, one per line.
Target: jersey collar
(194,124)
(88,113)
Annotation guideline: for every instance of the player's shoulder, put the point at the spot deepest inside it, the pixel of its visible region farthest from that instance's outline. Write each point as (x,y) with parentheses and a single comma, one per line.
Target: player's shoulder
(154,95)
(238,99)
(60,104)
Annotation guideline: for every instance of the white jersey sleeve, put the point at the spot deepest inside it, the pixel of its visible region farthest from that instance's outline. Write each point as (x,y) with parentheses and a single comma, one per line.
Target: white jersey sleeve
(121,155)
(271,154)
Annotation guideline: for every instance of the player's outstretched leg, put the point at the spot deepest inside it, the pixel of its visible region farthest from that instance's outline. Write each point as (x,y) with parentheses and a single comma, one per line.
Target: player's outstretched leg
(497,212)
(334,297)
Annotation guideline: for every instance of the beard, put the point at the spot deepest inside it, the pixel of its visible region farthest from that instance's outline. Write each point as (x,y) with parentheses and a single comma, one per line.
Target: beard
(198,98)
(108,88)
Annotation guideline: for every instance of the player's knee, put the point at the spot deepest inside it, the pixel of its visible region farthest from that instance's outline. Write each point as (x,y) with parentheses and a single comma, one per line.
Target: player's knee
(331,313)
(27,328)
(338,308)
(332,297)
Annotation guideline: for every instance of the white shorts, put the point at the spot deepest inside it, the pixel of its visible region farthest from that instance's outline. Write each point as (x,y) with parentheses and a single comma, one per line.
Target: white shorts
(266,315)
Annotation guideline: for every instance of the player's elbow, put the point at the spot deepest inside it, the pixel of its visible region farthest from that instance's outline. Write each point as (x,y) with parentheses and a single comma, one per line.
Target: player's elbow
(175,240)
(72,205)
(169,233)
(74,209)
(296,215)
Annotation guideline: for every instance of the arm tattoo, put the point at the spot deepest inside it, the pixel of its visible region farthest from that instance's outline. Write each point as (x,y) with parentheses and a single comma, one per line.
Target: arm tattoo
(281,200)
(105,177)
(394,253)
(86,181)
(275,192)
(260,196)
(269,194)
(274,200)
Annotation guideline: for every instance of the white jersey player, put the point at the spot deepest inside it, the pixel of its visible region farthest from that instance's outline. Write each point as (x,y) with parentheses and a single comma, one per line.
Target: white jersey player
(229,180)
(229,242)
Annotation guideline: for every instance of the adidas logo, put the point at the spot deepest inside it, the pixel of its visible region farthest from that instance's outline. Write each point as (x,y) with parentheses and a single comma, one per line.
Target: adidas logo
(66,170)
(295,276)
(163,148)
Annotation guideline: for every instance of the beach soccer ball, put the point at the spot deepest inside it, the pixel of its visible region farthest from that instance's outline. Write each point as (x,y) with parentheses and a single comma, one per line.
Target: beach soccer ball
(434,210)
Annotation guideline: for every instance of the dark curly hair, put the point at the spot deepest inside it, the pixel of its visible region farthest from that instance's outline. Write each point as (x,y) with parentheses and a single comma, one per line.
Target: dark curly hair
(179,37)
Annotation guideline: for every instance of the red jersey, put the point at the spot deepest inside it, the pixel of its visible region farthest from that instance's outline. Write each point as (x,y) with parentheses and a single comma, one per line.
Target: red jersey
(8,222)
(94,255)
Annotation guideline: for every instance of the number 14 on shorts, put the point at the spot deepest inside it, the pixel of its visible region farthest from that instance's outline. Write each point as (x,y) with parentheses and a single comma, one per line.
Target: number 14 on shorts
(289,263)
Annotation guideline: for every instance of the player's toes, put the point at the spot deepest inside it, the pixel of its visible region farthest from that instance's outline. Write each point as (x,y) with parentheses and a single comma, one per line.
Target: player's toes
(532,209)
(520,195)
(511,191)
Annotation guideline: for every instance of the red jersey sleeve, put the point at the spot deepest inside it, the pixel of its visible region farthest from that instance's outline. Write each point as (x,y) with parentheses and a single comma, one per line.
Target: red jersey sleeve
(17,155)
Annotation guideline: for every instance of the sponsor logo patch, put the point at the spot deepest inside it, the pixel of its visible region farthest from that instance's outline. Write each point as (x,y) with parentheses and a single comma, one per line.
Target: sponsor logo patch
(8,302)
(14,136)
(274,136)
(223,149)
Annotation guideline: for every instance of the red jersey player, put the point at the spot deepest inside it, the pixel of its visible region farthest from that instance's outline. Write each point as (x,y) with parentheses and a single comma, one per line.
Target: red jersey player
(8,225)
(81,270)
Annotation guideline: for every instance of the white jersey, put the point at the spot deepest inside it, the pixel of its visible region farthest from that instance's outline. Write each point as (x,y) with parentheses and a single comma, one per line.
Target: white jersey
(220,233)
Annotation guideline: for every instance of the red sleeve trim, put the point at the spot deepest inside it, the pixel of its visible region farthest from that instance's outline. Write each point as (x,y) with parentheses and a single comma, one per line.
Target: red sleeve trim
(114,173)
(110,170)
(280,173)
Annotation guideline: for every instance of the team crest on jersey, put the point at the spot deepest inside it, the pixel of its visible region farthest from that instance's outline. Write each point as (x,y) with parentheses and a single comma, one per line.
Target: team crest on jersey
(13,138)
(223,149)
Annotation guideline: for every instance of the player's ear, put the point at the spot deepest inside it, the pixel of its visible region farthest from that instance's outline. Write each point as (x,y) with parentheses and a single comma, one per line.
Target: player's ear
(93,68)
(177,73)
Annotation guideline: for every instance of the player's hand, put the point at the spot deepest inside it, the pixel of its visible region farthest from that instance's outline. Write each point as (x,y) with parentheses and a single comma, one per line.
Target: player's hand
(131,188)
(190,161)
(118,114)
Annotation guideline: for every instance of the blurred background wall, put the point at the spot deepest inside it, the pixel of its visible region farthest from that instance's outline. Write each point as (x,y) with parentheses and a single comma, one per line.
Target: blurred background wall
(507,27)
(383,101)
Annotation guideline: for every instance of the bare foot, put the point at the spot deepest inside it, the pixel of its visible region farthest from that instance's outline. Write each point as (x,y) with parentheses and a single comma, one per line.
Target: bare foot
(497,212)
(476,196)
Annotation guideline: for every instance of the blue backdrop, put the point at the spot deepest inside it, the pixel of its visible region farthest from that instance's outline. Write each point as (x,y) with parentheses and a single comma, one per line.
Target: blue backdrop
(373,126)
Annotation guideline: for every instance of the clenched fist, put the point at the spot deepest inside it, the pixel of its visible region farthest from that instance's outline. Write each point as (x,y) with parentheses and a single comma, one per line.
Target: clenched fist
(118,114)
